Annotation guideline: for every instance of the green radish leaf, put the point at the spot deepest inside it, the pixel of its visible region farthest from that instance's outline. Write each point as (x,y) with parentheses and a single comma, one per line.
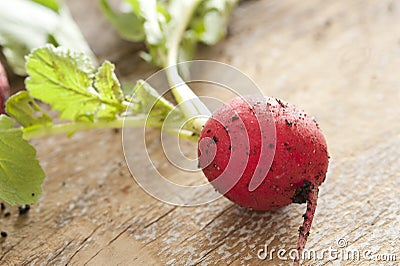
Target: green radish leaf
(25,110)
(29,24)
(146,100)
(210,21)
(154,19)
(52,4)
(66,80)
(21,176)
(107,83)
(145,21)
(128,25)
(149,100)
(110,92)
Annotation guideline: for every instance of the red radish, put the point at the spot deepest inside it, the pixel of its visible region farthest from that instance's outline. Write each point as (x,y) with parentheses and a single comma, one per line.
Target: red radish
(268,142)
(4,90)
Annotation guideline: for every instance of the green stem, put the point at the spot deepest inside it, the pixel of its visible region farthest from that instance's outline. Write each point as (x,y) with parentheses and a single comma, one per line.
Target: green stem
(191,105)
(69,128)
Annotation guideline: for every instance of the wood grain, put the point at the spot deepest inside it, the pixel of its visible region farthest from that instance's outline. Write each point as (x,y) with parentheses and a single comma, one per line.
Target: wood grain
(339,60)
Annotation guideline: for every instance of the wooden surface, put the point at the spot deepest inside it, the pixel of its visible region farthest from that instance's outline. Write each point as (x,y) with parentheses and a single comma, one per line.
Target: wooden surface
(339,60)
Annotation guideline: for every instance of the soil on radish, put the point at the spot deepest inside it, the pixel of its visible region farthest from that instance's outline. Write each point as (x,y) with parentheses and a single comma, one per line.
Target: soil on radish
(272,142)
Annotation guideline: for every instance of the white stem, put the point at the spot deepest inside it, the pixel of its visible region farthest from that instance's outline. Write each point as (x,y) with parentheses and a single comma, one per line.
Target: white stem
(191,105)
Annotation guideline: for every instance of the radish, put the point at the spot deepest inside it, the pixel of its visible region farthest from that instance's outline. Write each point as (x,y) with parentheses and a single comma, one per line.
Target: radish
(274,144)
(4,89)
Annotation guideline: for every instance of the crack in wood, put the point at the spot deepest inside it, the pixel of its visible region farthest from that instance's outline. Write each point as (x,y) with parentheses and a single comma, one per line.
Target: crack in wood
(81,245)
(11,248)
(203,257)
(160,217)
(125,230)
(207,224)
(59,252)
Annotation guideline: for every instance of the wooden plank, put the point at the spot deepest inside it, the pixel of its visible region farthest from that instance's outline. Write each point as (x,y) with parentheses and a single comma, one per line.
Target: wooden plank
(338,60)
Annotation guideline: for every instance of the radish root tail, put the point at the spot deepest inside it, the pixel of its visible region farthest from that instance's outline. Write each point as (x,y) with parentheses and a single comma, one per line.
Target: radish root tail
(304,230)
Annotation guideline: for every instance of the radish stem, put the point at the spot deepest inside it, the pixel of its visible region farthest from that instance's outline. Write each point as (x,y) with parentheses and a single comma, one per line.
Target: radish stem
(69,128)
(191,105)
